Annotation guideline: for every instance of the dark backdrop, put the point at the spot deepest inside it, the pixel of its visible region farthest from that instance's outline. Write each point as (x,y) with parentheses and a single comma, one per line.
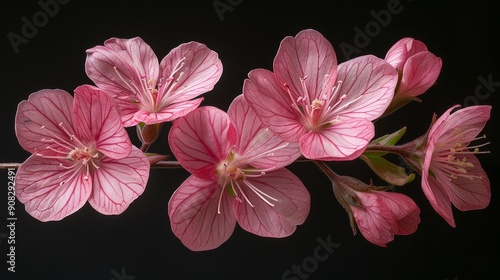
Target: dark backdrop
(139,243)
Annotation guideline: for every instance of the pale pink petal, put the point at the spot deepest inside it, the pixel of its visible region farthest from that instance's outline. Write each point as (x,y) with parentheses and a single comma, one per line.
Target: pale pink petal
(368,84)
(470,120)
(273,105)
(290,209)
(118,182)
(469,193)
(45,115)
(405,210)
(399,53)
(437,195)
(194,214)
(256,144)
(306,56)
(201,140)
(97,121)
(342,141)
(168,113)
(420,72)
(375,220)
(192,69)
(51,191)
(122,67)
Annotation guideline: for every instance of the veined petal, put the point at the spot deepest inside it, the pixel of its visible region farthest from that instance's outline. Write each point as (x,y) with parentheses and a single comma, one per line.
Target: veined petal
(342,141)
(420,72)
(194,217)
(437,196)
(469,194)
(97,121)
(290,209)
(405,210)
(49,191)
(202,139)
(168,113)
(375,220)
(47,108)
(118,182)
(122,67)
(368,84)
(471,120)
(308,55)
(399,53)
(273,105)
(257,144)
(193,69)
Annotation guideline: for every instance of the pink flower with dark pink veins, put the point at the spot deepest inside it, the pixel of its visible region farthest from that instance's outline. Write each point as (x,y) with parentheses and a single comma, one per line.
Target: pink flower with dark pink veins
(451,172)
(147,91)
(381,215)
(80,152)
(418,67)
(308,99)
(237,176)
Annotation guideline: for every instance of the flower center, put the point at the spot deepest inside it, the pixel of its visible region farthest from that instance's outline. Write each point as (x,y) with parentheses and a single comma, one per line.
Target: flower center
(70,149)
(320,112)
(149,96)
(235,171)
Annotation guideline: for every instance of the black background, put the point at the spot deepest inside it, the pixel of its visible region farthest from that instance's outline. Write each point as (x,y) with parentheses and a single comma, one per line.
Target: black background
(140,244)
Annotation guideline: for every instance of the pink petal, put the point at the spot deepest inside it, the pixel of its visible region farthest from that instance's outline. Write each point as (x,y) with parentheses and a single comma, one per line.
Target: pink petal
(200,71)
(201,140)
(419,73)
(469,194)
(122,66)
(405,210)
(118,182)
(343,141)
(48,109)
(471,120)
(309,55)
(290,209)
(399,53)
(97,121)
(49,191)
(375,220)
(368,84)
(194,217)
(273,105)
(168,113)
(257,144)
(437,196)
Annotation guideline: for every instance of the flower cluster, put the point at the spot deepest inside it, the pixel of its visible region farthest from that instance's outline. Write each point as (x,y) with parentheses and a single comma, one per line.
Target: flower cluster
(308,106)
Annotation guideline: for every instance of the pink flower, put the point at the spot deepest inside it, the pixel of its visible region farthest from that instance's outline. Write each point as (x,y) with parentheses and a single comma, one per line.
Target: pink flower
(419,68)
(451,173)
(148,92)
(237,176)
(81,152)
(381,215)
(307,99)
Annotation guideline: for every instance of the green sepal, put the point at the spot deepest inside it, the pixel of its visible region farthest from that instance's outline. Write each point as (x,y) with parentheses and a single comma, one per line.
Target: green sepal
(388,171)
(386,140)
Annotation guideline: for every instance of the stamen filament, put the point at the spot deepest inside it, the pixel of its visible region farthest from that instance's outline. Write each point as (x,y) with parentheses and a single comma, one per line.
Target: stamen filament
(260,193)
